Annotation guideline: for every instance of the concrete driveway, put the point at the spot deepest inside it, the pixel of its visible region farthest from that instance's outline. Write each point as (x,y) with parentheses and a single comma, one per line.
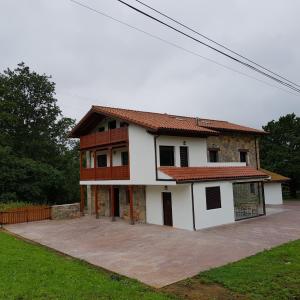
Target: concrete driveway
(158,255)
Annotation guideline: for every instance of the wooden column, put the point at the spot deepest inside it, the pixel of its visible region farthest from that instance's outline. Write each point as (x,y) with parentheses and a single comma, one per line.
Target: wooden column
(110,161)
(82,198)
(130,188)
(95,163)
(81,154)
(112,203)
(96,201)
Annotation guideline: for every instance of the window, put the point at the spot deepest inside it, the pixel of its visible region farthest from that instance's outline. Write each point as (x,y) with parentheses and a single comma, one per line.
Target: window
(243,156)
(124,158)
(166,155)
(213,197)
(252,188)
(124,124)
(112,124)
(184,156)
(102,160)
(101,129)
(213,155)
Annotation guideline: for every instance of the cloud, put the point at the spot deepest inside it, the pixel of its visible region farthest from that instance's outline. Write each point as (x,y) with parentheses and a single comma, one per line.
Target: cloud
(94,60)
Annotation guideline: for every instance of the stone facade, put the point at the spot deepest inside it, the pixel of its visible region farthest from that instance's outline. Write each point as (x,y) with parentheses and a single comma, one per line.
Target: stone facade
(229,146)
(65,211)
(104,205)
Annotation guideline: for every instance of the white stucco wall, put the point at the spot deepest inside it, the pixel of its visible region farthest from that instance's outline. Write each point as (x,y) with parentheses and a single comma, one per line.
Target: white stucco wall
(181,205)
(207,218)
(141,156)
(196,149)
(273,193)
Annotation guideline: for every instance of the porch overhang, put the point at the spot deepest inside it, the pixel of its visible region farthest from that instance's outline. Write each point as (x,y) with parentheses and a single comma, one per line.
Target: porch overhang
(205,174)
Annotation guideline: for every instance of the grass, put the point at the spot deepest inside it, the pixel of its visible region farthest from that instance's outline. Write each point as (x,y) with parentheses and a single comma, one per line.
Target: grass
(272,274)
(29,271)
(10,205)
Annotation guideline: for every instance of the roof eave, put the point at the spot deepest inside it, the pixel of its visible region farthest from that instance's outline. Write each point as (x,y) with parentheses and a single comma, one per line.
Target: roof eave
(221,179)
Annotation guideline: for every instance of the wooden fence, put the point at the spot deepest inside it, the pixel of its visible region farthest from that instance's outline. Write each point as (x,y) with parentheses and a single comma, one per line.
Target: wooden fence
(25,214)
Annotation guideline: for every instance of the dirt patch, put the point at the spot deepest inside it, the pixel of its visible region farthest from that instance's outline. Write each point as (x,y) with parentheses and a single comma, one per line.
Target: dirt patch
(194,289)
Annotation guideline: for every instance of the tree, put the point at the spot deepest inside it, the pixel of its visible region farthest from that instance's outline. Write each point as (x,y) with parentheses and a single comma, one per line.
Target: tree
(280,149)
(38,161)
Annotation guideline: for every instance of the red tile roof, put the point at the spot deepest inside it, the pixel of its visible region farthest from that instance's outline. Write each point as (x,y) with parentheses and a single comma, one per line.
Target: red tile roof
(212,173)
(274,176)
(159,122)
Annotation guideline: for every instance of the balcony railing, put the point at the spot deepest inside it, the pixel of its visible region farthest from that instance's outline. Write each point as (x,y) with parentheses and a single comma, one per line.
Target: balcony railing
(104,138)
(109,173)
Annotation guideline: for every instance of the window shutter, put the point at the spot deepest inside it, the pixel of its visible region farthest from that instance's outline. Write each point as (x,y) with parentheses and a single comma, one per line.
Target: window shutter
(213,197)
(184,160)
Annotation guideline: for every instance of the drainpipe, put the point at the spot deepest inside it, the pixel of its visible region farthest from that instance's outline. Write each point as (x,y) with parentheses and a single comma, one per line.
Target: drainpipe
(155,155)
(263,196)
(256,158)
(193,206)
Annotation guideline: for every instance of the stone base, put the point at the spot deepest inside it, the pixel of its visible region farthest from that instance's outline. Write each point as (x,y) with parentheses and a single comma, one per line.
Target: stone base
(65,211)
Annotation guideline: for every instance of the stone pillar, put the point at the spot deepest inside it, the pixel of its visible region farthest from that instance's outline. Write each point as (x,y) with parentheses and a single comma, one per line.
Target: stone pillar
(89,199)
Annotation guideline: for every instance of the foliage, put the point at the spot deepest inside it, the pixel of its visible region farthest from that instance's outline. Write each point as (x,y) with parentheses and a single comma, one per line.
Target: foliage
(12,205)
(272,274)
(280,149)
(38,163)
(30,272)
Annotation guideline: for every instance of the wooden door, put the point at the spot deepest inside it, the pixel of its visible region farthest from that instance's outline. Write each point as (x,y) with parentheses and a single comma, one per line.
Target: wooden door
(167,208)
(117,202)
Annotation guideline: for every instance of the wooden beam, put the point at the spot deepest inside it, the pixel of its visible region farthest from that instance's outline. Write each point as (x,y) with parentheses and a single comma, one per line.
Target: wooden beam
(96,201)
(81,153)
(131,204)
(110,161)
(112,203)
(82,199)
(95,163)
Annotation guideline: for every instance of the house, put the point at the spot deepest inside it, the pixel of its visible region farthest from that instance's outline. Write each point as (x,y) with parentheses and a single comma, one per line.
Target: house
(190,173)
(273,187)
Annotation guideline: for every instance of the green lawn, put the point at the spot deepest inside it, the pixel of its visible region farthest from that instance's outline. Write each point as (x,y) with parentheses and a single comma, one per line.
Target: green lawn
(273,274)
(29,271)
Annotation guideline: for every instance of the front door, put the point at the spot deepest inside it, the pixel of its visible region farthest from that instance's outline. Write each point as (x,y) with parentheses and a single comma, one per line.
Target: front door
(116,202)
(167,208)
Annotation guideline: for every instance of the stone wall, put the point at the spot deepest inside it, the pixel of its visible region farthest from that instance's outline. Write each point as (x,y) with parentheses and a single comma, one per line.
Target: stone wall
(65,211)
(229,146)
(139,203)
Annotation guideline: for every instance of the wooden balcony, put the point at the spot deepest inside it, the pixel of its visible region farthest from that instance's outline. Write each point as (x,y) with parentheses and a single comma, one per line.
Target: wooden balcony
(109,173)
(112,136)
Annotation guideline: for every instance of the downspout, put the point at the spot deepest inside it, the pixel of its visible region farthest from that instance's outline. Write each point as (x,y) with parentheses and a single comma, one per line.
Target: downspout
(256,158)
(263,196)
(193,206)
(155,155)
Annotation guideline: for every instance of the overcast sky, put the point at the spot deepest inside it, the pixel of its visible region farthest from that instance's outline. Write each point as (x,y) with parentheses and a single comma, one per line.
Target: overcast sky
(94,60)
